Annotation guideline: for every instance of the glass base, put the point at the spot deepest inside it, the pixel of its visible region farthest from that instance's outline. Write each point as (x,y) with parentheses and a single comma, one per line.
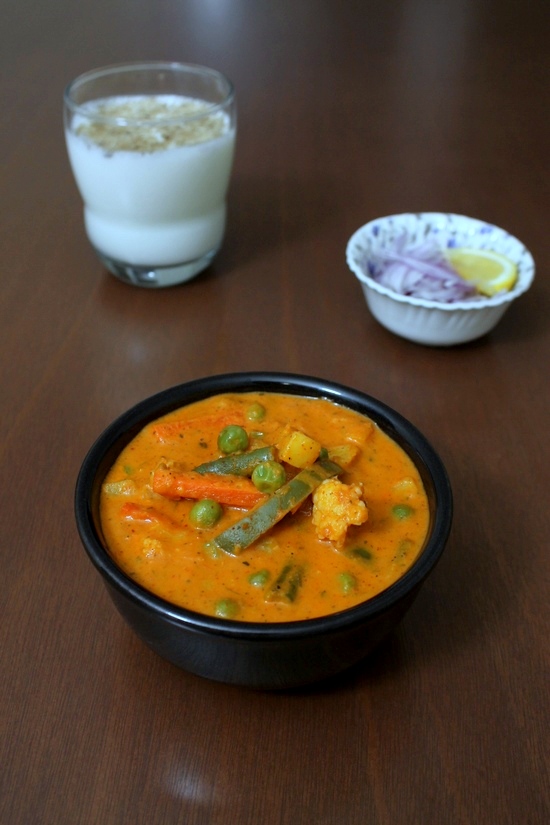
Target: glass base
(155,277)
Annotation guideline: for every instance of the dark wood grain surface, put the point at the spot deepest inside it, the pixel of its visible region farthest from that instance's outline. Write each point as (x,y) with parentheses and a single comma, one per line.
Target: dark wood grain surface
(347,111)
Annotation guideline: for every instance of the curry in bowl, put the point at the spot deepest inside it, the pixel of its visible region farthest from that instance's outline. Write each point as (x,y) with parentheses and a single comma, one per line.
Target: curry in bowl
(264,507)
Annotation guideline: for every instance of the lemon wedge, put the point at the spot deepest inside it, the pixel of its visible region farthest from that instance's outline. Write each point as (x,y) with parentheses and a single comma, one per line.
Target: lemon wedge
(490,271)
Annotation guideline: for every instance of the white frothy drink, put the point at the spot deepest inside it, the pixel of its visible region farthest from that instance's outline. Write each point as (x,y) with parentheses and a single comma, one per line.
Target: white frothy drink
(153,172)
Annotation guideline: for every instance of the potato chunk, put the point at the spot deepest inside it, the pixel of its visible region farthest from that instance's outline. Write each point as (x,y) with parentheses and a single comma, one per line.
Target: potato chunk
(344,455)
(126,487)
(298,449)
(336,506)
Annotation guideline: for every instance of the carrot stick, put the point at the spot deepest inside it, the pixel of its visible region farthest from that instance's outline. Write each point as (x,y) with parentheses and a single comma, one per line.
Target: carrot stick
(234,491)
(136,512)
(216,421)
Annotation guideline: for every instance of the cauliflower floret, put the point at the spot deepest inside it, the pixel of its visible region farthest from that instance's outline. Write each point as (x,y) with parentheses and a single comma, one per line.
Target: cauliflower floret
(335,507)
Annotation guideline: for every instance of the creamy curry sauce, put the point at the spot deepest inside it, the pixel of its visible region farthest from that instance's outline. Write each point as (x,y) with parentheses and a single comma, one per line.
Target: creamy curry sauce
(152,538)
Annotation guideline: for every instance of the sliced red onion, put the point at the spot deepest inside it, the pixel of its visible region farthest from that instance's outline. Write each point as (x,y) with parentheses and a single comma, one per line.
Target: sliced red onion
(418,269)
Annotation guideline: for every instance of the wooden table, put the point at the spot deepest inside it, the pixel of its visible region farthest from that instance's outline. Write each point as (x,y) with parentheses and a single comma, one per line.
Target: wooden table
(347,111)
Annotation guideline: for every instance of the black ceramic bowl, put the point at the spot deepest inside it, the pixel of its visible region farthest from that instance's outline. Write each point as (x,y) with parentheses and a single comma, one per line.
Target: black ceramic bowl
(266,656)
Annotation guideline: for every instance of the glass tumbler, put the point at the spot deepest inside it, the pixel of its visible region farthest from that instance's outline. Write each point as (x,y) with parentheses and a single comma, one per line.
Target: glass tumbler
(151,147)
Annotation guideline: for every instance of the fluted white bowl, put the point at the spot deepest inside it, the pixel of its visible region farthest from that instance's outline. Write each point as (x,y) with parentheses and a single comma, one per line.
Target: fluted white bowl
(432,322)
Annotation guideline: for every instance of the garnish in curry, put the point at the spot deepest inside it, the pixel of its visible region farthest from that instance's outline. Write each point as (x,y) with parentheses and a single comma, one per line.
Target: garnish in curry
(264,507)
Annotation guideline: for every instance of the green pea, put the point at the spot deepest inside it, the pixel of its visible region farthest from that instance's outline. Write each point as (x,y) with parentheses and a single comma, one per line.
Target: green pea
(347,582)
(232,439)
(205,513)
(361,553)
(268,476)
(256,412)
(259,579)
(401,511)
(226,608)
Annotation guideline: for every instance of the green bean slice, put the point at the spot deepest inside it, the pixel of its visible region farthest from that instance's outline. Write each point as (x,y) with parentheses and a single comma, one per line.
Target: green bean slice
(285,588)
(262,518)
(241,464)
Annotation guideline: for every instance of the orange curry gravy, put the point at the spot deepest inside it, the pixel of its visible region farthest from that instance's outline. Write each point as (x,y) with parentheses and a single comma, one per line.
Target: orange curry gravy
(152,540)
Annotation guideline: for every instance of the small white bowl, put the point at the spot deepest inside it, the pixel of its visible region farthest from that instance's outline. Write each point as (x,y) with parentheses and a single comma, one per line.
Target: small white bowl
(432,322)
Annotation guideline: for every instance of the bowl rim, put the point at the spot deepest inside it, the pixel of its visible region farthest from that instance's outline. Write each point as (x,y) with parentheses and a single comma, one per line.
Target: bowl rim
(122,429)
(522,284)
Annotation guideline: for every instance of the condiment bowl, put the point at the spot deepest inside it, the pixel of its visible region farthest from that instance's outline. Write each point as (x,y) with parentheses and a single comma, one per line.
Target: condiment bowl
(426,321)
(262,656)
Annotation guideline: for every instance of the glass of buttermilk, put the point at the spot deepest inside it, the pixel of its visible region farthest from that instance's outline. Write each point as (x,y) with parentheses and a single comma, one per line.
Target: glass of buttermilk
(151,147)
